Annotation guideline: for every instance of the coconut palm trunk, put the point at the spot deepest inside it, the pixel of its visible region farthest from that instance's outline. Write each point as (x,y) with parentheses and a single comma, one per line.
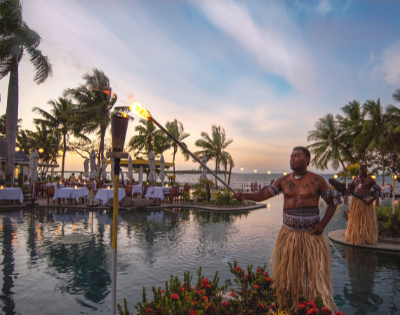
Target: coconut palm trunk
(11,124)
(383,168)
(63,157)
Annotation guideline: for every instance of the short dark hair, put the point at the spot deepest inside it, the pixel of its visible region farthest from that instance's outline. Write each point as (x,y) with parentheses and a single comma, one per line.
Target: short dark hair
(305,151)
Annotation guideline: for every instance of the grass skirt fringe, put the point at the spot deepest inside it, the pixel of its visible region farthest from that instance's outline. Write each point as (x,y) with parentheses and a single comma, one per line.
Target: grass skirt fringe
(362,226)
(303,262)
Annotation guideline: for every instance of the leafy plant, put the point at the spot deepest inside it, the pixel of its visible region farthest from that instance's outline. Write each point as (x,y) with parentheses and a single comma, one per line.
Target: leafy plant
(384,215)
(185,196)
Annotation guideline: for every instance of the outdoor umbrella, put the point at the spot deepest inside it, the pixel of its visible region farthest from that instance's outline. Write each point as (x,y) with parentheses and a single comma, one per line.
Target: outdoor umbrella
(130,176)
(86,168)
(103,168)
(92,165)
(98,169)
(112,168)
(33,165)
(204,172)
(161,176)
(152,163)
(1,172)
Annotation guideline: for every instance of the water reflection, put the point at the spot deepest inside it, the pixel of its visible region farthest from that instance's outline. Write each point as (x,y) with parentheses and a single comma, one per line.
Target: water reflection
(7,296)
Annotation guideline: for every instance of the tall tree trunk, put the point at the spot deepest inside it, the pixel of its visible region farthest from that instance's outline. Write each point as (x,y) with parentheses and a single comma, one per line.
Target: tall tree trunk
(344,170)
(383,168)
(11,124)
(101,150)
(173,159)
(216,171)
(63,157)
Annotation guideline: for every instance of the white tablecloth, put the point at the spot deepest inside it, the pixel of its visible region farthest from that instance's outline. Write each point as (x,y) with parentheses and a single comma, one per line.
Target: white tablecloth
(71,193)
(13,193)
(55,185)
(157,193)
(105,194)
(137,189)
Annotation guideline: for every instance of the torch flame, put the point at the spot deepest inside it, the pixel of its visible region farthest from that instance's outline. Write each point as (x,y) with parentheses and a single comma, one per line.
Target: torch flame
(139,109)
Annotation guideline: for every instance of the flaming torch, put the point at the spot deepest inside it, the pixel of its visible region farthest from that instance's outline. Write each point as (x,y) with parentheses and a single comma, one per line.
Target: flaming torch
(143,112)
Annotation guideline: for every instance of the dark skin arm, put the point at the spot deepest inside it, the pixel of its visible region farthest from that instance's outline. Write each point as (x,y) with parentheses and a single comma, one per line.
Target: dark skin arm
(262,195)
(318,229)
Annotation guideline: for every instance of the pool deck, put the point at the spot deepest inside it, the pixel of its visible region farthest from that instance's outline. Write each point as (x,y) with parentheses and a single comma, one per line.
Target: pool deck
(338,236)
(42,203)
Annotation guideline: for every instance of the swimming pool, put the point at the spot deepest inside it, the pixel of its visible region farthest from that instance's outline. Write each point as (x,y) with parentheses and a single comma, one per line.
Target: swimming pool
(58,261)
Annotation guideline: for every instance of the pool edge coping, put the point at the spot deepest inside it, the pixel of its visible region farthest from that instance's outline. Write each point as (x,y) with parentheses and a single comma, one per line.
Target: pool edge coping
(338,237)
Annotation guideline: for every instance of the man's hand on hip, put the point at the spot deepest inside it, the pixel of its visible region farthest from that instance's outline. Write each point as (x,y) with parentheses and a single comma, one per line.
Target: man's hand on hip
(317,229)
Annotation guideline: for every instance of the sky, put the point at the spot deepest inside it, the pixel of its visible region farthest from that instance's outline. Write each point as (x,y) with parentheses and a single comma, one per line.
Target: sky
(265,71)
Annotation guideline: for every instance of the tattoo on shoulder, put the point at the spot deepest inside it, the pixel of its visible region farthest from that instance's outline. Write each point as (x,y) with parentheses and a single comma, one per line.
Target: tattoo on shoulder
(290,184)
(316,178)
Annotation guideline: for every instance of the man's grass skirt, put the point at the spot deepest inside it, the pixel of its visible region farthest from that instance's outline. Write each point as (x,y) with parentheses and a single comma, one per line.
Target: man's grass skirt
(303,263)
(362,226)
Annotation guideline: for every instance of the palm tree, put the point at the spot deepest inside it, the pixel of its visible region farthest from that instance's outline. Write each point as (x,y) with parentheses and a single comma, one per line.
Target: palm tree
(375,133)
(15,38)
(3,125)
(24,140)
(61,120)
(352,124)
(175,127)
(95,105)
(331,144)
(396,95)
(213,146)
(148,139)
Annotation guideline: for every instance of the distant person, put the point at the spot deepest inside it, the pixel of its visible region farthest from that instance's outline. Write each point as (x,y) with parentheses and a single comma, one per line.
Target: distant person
(251,187)
(80,176)
(255,186)
(259,187)
(72,178)
(387,190)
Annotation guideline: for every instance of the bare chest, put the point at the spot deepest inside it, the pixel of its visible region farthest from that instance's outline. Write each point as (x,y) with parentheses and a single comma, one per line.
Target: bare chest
(301,192)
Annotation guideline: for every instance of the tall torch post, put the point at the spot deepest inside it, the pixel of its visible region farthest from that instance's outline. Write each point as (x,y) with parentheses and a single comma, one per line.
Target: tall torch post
(119,125)
(141,111)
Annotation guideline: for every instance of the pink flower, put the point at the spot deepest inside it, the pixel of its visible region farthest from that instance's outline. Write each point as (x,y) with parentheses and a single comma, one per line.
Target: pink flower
(232,294)
(162,291)
(225,304)
(261,305)
(175,296)
(273,306)
(205,298)
(268,279)
(339,313)
(326,310)
(258,270)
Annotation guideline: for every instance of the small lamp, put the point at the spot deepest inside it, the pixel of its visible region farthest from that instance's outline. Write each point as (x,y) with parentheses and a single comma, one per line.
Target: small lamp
(269,172)
(335,176)
(84,183)
(284,173)
(1,187)
(373,176)
(76,187)
(60,151)
(255,170)
(108,187)
(17,149)
(241,168)
(41,150)
(166,185)
(394,176)
(353,177)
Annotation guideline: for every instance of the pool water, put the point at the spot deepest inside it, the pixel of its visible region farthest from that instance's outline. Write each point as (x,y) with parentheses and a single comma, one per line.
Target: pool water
(58,261)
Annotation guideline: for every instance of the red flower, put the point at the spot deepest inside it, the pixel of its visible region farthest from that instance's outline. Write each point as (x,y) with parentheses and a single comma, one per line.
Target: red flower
(268,279)
(187,298)
(232,294)
(200,291)
(265,274)
(205,283)
(195,303)
(175,296)
(238,269)
(247,276)
(346,218)
(326,310)
(162,291)
(313,311)
(183,289)
(256,287)
(193,313)
(258,270)
(302,306)
(225,304)
(339,313)
(205,298)
(273,306)
(261,305)
(311,304)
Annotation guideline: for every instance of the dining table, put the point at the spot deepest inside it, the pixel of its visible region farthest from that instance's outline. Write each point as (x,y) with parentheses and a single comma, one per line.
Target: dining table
(12,193)
(70,192)
(104,194)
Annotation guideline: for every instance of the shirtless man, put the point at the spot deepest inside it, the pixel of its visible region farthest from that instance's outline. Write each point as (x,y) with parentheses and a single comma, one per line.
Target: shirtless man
(362,226)
(301,248)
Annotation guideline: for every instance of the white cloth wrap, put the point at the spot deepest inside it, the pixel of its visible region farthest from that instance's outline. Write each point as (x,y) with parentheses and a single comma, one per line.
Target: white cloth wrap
(329,193)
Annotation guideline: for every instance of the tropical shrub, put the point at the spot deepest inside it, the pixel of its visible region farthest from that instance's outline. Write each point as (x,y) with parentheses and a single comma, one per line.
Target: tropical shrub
(386,224)
(254,294)
(224,197)
(185,196)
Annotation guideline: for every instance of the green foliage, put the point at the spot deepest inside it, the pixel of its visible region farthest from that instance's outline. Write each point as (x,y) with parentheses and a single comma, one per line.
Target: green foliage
(185,196)
(384,215)
(254,294)
(224,197)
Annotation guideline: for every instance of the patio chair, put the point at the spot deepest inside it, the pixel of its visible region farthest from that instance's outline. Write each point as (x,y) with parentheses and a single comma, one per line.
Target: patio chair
(144,190)
(50,192)
(174,194)
(128,191)
(186,189)
(40,188)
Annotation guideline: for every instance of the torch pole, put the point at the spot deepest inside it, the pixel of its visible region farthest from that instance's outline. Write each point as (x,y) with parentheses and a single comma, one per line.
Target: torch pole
(114,239)
(191,154)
